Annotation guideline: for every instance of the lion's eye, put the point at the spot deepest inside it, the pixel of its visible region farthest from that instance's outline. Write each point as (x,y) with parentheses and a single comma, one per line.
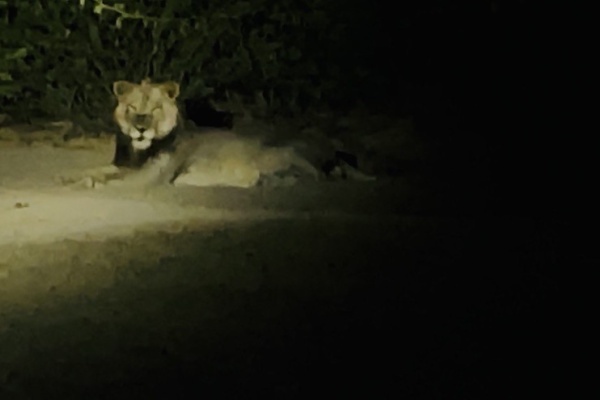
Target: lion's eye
(157,108)
(131,107)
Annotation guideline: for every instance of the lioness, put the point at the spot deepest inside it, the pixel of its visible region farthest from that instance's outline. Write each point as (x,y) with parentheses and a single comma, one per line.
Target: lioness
(151,147)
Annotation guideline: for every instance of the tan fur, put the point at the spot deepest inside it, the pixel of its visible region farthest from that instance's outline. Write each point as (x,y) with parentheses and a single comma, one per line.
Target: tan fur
(146,111)
(149,111)
(223,158)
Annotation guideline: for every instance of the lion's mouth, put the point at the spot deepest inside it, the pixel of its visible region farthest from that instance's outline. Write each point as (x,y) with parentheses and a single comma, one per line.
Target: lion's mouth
(144,133)
(141,138)
(141,143)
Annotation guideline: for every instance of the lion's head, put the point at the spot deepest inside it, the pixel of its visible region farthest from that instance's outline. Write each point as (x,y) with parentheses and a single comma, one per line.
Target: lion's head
(146,111)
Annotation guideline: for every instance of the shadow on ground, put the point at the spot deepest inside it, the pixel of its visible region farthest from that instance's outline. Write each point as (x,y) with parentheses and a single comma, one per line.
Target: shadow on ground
(378,306)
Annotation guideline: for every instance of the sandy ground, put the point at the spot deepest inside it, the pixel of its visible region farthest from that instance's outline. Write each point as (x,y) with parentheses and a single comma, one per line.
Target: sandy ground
(334,288)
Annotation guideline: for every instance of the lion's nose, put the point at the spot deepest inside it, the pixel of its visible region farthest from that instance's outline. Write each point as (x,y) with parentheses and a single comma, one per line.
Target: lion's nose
(141,119)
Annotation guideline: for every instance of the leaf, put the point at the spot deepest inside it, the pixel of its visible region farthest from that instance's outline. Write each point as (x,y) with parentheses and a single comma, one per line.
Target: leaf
(8,90)
(95,36)
(5,76)
(17,54)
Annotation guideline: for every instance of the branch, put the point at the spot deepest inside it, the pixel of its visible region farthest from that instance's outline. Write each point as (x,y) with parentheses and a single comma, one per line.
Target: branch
(120,9)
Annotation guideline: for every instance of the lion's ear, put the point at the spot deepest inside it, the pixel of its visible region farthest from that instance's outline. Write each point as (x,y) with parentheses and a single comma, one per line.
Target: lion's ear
(121,88)
(171,89)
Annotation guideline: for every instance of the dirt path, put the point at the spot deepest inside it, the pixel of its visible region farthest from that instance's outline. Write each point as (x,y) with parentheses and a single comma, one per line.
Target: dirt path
(334,287)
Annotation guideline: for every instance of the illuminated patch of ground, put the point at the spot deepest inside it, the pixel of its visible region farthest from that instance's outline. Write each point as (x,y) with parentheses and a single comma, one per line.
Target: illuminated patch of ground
(332,287)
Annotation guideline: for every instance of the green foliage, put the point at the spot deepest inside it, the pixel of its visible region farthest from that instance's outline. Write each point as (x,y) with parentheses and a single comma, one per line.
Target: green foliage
(58,58)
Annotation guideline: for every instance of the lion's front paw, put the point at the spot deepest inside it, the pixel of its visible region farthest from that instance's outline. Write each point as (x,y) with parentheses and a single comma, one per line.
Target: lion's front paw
(91,178)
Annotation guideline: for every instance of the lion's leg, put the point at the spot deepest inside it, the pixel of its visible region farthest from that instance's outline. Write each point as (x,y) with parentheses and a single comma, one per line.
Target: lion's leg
(304,165)
(93,177)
